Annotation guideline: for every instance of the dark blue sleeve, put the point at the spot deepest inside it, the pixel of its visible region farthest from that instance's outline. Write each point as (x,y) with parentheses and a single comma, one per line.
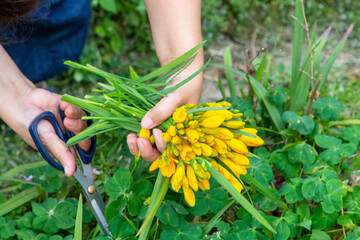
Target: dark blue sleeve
(56,31)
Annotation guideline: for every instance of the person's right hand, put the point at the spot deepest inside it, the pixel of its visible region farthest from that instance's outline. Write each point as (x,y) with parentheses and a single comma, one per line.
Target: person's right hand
(27,106)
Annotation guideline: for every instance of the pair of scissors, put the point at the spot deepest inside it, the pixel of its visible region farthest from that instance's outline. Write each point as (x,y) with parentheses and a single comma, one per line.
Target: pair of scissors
(84,176)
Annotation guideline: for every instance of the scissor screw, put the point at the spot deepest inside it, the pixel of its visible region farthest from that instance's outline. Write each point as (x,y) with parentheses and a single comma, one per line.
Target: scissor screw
(91,189)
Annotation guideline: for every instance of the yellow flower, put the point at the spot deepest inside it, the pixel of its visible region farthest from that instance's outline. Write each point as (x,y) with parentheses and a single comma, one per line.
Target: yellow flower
(144,133)
(176,140)
(196,150)
(174,185)
(167,170)
(237,185)
(233,166)
(212,122)
(179,115)
(221,133)
(193,124)
(237,145)
(192,134)
(189,196)
(250,141)
(172,131)
(220,146)
(179,173)
(204,185)
(233,124)
(224,113)
(190,174)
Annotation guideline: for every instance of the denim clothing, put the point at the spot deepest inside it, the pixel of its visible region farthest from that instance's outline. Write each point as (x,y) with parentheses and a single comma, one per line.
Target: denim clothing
(56,31)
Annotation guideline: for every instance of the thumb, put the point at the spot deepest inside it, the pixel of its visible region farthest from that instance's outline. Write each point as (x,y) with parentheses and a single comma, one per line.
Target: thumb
(161,111)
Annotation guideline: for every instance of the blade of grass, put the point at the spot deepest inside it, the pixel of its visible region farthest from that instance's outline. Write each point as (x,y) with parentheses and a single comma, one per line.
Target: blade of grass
(326,69)
(22,168)
(215,219)
(239,197)
(22,181)
(221,86)
(9,189)
(260,71)
(78,221)
(261,94)
(229,75)
(345,122)
(19,200)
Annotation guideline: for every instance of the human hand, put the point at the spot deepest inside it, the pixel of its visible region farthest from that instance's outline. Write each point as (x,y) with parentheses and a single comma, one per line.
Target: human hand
(189,93)
(34,101)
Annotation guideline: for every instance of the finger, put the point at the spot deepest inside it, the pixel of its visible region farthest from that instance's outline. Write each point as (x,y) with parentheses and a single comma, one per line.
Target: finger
(162,111)
(132,143)
(147,151)
(56,147)
(77,126)
(72,111)
(159,141)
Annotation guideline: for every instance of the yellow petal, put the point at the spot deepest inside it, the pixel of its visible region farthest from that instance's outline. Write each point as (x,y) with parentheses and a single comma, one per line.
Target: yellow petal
(190,174)
(167,170)
(233,124)
(189,196)
(206,184)
(220,146)
(192,134)
(171,131)
(221,133)
(144,133)
(237,145)
(174,185)
(225,113)
(166,137)
(206,150)
(241,159)
(154,165)
(250,141)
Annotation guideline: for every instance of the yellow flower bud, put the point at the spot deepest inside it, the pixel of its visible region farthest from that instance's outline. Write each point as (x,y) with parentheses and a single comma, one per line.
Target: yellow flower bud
(242,160)
(179,115)
(237,185)
(225,104)
(233,124)
(206,184)
(152,139)
(176,140)
(172,131)
(233,166)
(202,186)
(206,150)
(180,126)
(226,114)
(144,133)
(225,173)
(196,150)
(220,146)
(250,141)
(192,134)
(212,122)
(166,137)
(189,196)
(237,115)
(215,165)
(181,132)
(179,173)
(190,174)
(174,185)
(189,106)
(237,145)
(214,153)
(193,124)
(154,165)
(221,133)
(199,171)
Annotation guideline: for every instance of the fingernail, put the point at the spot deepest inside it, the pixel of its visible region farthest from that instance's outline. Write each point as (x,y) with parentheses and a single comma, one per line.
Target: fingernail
(157,134)
(66,171)
(147,123)
(140,144)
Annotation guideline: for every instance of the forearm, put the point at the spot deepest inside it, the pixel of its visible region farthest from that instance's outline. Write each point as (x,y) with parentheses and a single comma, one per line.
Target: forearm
(13,83)
(176,27)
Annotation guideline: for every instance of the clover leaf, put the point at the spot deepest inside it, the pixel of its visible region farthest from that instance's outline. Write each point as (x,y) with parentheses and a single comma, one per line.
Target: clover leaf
(261,171)
(303,125)
(322,220)
(314,188)
(120,228)
(184,231)
(48,177)
(7,227)
(351,134)
(333,199)
(282,163)
(25,234)
(292,190)
(139,192)
(212,200)
(118,184)
(319,235)
(328,108)
(52,215)
(302,153)
(168,213)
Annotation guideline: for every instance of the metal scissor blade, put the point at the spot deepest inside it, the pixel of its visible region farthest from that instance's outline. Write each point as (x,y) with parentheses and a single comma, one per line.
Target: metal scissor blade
(94,199)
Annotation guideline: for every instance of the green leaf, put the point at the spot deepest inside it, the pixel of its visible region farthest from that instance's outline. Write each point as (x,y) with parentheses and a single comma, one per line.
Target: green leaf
(302,153)
(26,220)
(212,200)
(120,228)
(314,188)
(184,231)
(108,5)
(282,230)
(282,163)
(48,177)
(7,227)
(346,221)
(322,220)
(22,168)
(240,199)
(305,124)
(266,204)
(333,199)
(325,141)
(229,74)
(168,215)
(25,234)
(118,184)
(277,96)
(292,190)
(139,192)
(347,149)
(115,208)
(306,224)
(328,108)
(261,171)
(331,156)
(78,222)
(319,235)
(351,134)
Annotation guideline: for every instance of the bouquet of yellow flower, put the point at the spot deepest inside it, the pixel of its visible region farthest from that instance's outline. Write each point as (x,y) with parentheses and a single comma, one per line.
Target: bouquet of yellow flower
(209,140)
